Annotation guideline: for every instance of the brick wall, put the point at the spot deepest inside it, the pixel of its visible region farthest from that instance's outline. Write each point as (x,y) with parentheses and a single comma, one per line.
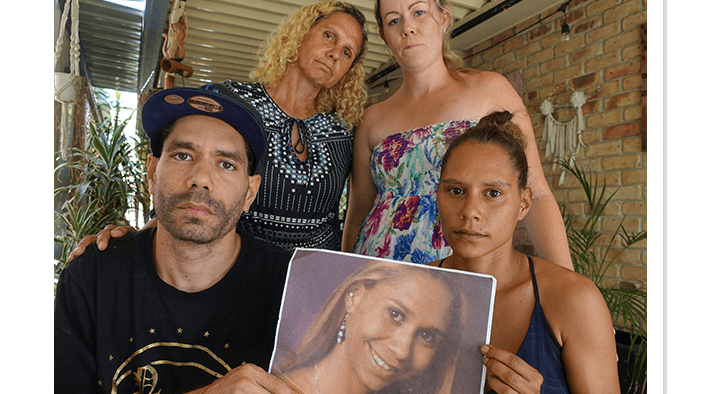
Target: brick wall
(604,52)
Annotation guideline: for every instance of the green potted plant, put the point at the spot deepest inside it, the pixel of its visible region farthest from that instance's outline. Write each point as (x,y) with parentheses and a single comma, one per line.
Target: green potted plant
(627,304)
(104,180)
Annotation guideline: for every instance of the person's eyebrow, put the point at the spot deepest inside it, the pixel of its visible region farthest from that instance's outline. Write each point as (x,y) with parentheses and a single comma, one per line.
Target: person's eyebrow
(397,12)
(180,144)
(402,306)
(345,45)
(497,184)
(234,155)
(408,312)
(415,3)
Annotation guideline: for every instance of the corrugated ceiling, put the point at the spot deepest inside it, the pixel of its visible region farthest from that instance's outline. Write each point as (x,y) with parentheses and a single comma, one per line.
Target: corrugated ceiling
(122,46)
(110,36)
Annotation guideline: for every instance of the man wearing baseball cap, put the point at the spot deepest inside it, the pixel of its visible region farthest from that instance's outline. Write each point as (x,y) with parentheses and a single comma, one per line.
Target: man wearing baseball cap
(190,304)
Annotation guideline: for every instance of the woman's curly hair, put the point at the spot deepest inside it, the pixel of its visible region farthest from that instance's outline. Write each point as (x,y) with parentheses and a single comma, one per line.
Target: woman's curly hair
(348,96)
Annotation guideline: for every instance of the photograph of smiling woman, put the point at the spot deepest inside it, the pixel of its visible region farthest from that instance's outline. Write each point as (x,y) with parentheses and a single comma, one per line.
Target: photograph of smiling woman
(365,313)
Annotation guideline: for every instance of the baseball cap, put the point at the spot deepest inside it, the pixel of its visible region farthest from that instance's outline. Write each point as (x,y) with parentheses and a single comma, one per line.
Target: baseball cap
(213,100)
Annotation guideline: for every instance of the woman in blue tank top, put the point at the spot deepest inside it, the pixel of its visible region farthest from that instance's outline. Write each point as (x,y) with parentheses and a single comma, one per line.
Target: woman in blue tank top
(550,335)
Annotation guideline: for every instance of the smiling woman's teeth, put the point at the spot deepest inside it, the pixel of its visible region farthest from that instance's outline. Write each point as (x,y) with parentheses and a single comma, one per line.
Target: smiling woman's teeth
(378,361)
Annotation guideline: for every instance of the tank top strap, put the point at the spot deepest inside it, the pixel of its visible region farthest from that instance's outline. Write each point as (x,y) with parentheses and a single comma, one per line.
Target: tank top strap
(535,282)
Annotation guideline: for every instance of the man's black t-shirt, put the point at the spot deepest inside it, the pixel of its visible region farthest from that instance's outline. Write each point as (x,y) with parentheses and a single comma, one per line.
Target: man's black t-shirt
(118,327)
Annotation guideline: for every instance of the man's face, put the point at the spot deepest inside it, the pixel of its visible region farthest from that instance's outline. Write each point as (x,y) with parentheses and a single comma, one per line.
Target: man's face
(200,183)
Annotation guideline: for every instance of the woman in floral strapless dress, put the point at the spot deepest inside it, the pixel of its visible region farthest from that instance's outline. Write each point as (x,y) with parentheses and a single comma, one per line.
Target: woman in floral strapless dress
(403,224)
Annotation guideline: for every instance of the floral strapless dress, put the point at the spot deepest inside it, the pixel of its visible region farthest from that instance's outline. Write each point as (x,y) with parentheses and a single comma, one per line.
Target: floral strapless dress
(406,168)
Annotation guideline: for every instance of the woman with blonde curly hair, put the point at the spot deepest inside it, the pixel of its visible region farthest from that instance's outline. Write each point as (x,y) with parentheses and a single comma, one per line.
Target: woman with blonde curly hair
(347,97)
(310,93)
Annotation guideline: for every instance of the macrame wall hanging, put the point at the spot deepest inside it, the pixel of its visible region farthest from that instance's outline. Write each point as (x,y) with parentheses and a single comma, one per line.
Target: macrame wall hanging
(66,85)
(563,139)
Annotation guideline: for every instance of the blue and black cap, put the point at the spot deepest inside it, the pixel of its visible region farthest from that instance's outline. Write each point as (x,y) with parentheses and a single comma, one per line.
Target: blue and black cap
(213,100)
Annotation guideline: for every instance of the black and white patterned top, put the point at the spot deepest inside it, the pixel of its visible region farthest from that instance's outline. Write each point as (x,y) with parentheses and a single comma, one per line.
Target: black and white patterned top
(297,203)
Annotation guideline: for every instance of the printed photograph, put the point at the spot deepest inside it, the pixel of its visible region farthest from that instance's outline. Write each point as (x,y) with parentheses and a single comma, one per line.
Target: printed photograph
(355,324)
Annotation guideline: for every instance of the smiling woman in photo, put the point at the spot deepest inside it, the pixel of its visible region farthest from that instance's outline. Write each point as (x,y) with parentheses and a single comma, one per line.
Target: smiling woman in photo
(379,333)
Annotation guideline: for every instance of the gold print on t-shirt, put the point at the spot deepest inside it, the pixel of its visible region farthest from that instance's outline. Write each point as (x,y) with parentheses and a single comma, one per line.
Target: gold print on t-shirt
(146,376)
(146,380)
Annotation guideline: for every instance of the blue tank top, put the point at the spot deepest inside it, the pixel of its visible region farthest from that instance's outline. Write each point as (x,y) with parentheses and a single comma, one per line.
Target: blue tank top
(540,348)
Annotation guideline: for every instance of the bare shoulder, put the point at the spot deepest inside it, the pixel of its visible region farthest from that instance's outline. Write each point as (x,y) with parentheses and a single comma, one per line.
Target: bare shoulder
(480,80)
(367,127)
(491,90)
(375,124)
(372,114)
(562,289)
(581,323)
(573,305)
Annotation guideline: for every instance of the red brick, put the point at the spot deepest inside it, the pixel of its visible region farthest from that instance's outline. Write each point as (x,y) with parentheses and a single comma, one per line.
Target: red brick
(632,52)
(590,107)
(621,40)
(482,45)
(585,53)
(633,82)
(603,119)
(609,88)
(621,11)
(634,20)
(622,100)
(603,32)
(528,49)
(585,81)
(552,65)
(569,72)
(491,53)
(599,6)
(585,26)
(566,47)
(540,57)
(503,36)
(551,40)
(536,83)
(514,65)
(623,130)
(502,60)
(540,31)
(622,70)
(514,43)
(602,62)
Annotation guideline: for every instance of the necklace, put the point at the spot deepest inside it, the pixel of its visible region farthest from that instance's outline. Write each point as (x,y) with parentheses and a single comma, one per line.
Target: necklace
(316,380)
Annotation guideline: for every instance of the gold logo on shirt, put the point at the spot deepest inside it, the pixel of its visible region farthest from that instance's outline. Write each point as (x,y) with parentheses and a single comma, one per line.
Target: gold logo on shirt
(146,376)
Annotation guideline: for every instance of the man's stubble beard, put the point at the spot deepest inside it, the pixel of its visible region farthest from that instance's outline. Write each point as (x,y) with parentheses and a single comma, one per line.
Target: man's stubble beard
(193,229)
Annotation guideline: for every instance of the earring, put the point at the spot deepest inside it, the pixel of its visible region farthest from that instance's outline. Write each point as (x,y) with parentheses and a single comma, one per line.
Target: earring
(342,330)
(350,294)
